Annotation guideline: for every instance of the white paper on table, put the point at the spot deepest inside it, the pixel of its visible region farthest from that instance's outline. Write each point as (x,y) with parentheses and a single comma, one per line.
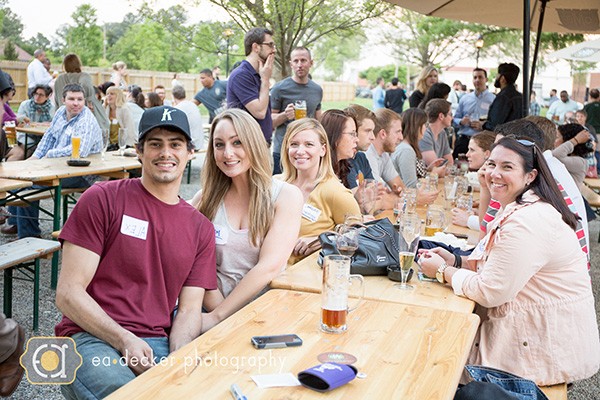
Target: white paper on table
(275,380)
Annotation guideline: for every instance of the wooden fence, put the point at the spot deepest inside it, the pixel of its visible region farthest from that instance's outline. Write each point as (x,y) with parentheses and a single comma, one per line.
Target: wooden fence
(147,80)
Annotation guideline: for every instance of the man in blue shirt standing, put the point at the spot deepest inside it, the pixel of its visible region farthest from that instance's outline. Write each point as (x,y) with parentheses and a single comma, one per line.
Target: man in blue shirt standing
(472,110)
(248,84)
(213,95)
(379,94)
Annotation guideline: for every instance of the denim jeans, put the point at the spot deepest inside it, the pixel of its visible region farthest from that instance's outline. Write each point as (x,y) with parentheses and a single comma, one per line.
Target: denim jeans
(27,218)
(492,383)
(276,163)
(98,376)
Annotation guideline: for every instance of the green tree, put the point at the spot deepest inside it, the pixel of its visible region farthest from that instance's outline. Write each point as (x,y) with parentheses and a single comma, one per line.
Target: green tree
(387,72)
(12,27)
(301,22)
(10,51)
(333,52)
(37,42)
(422,41)
(84,38)
(143,47)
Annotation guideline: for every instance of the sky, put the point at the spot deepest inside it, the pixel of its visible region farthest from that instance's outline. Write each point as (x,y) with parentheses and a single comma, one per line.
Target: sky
(46,16)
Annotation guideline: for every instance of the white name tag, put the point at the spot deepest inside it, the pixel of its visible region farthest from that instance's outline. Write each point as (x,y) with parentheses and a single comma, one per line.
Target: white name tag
(134,227)
(311,213)
(221,234)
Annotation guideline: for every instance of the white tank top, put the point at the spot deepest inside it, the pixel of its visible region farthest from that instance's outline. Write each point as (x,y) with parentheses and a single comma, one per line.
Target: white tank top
(235,253)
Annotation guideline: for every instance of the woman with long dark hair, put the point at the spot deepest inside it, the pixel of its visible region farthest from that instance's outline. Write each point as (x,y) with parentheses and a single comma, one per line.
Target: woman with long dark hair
(343,140)
(528,275)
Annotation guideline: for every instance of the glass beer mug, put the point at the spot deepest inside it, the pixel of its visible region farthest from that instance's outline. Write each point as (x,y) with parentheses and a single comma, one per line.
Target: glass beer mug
(435,220)
(334,297)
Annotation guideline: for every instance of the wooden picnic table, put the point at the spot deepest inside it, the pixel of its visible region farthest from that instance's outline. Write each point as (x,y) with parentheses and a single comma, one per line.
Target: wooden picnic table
(7,185)
(406,352)
(49,172)
(307,276)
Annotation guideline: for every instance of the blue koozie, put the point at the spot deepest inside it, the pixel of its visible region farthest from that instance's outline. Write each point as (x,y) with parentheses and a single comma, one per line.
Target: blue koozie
(327,376)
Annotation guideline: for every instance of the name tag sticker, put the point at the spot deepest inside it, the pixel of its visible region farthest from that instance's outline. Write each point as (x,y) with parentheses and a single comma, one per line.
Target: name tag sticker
(221,234)
(311,213)
(134,227)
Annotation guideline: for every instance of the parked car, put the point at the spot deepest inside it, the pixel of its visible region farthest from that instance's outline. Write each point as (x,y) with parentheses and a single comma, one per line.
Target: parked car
(364,92)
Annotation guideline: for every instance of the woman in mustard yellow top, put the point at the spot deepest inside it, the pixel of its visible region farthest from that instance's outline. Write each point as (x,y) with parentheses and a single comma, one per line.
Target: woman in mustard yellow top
(306,162)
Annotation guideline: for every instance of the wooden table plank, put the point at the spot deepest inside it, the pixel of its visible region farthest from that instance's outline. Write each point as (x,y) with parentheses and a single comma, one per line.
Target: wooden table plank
(407,352)
(48,169)
(12,184)
(38,130)
(307,276)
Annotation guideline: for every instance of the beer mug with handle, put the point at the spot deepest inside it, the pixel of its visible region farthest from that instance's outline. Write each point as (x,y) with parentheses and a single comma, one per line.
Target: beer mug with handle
(334,297)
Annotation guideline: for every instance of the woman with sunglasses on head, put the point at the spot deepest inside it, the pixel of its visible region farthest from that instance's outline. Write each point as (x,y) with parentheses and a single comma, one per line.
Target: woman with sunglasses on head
(306,161)
(256,217)
(528,275)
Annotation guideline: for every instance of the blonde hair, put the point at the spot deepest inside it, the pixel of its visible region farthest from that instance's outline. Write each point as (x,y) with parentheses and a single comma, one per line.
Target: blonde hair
(290,173)
(119,65)
(120,100)
(422,81)
(215,183)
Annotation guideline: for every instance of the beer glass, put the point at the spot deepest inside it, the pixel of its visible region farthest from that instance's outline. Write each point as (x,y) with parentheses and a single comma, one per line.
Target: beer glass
(334,296)
(450,188)
(346,240)
(410,232)
(11,132)
(368,195)
(105,143)
(75,145)
(300,109)
(435,220)
(122,142)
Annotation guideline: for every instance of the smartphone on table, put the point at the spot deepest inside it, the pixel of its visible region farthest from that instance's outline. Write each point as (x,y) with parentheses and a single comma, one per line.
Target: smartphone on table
(276,341)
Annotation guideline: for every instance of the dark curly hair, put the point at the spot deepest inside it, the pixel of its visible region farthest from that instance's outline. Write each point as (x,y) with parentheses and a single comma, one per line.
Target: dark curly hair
(569,131)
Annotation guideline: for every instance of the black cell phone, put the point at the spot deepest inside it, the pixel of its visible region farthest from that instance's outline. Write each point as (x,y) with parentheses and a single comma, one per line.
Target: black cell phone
(443,162)
(276,341)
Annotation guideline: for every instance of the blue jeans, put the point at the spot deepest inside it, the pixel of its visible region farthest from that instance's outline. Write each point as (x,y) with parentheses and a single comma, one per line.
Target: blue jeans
(276,163)
(27,218)
(98,376)
(492,383)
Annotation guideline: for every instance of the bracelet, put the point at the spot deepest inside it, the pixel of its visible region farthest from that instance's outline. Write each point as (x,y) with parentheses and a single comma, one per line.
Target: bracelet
(576,142)
(457,261)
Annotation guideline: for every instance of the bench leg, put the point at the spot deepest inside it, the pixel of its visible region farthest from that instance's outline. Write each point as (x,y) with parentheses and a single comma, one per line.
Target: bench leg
(8,286)
(55,227)
(189,171)
(36,294)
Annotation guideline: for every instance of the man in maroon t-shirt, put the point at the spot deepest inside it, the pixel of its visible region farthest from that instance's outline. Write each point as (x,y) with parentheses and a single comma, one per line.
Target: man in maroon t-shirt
(132,251)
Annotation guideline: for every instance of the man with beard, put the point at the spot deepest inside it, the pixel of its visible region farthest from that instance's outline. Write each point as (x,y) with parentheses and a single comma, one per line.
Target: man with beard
(508,104)
(285,92)
(132,251)
(248,84)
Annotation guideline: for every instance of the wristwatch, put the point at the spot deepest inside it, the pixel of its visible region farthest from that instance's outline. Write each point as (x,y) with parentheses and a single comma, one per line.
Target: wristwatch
(440,272)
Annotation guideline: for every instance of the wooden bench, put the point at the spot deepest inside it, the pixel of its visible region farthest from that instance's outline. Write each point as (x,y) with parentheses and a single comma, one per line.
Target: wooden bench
(555,392)
(36,195)
(24,256)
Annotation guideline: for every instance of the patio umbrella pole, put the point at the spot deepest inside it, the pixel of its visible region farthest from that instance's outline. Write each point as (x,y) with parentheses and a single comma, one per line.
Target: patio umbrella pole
(537,43)
(526,41)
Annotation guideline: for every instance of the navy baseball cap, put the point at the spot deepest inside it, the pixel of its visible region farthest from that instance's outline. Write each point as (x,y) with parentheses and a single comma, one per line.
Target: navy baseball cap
(164,117)
(4,82)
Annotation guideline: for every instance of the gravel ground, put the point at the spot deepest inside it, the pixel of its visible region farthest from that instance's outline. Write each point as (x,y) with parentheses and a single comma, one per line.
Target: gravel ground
(588,389)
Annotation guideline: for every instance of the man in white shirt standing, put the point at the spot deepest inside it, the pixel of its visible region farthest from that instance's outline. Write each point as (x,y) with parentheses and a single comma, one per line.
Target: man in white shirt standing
(193,114)
(37,74)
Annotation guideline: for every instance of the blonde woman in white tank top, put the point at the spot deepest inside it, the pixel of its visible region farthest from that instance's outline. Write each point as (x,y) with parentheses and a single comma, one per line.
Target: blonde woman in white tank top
(257,221)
